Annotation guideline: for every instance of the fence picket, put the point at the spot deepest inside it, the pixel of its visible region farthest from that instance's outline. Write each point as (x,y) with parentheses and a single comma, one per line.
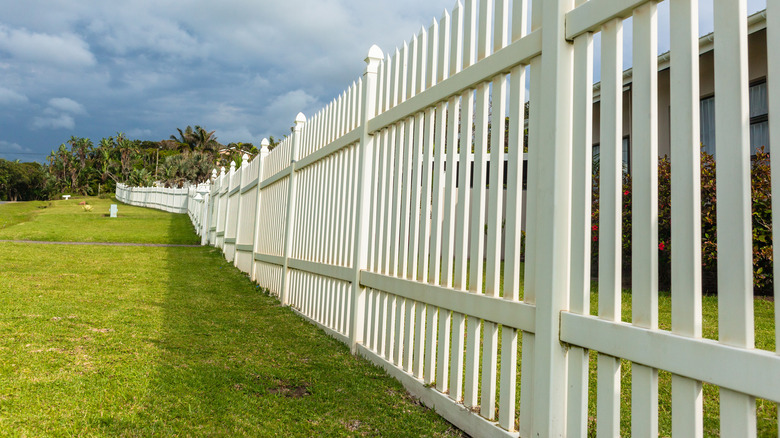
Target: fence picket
(735,242)
(687,398)
(610,220)
(644,192)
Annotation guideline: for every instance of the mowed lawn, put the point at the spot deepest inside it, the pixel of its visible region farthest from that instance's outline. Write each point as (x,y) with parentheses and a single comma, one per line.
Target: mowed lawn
(67,221)
(141,341)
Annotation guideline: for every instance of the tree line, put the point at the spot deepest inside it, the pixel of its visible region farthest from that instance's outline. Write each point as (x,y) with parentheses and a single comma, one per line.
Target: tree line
(81,167)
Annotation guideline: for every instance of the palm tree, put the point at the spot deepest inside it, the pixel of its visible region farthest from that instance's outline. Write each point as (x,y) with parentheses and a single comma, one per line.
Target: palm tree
(186,139)
(103,159)
(59,165)
(197,139)
(206,141)
(127,151)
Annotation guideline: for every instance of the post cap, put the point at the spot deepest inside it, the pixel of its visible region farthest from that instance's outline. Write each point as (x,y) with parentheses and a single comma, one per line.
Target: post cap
(375,53)
(300,119)
(373,59)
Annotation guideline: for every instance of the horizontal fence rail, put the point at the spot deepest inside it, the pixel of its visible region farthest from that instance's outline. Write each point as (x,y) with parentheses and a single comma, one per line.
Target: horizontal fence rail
(381,220)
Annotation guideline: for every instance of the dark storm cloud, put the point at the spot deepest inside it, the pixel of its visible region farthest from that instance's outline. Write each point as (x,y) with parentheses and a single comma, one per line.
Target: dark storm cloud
(244,68)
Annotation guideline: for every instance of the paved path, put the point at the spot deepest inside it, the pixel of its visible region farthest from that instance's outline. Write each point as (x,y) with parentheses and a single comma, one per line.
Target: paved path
(99,243)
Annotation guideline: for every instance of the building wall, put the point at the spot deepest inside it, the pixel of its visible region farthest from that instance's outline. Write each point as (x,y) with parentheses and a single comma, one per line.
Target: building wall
(757,70)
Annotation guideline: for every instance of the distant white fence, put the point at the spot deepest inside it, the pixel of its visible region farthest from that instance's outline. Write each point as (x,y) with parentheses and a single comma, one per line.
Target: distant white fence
(161,198)
(357,222)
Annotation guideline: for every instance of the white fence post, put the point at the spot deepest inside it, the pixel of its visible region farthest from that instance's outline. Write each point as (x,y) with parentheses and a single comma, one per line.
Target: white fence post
(211,225)
(300,120)
(221,205)
(553,218)
(262,157)
(773,67)
(204,215)
(362,212)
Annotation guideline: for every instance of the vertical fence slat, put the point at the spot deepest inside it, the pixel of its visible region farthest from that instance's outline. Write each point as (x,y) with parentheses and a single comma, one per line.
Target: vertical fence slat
(390,179)
(687,401)
(380,242)
(396,211)
(406,141)
(469,12)
(528,358)
(735,239)
(476,256)
(773,92)
(514,194)
(477,251)
(352,198)
(331,208)
(579,300)
(644,202)
(610,221)
(454,45)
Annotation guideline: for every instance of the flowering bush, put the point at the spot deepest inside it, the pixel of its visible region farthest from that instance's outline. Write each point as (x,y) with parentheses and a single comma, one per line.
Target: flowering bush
(761,218)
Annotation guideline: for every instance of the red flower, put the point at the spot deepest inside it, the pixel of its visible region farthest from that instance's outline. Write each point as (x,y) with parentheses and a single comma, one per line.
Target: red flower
(661,246)
(625,192)
(594,228)
(595,238)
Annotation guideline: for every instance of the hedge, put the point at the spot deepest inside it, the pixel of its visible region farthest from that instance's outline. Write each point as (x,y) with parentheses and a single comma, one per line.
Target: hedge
(761,213)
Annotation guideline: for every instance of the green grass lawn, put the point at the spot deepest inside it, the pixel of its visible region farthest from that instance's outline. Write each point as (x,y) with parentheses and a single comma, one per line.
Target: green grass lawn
(764,320)
(138,341)
(141,341)
(67,221)
(764,340)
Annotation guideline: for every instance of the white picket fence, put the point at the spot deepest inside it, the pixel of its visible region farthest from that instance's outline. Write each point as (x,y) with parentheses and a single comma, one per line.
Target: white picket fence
(168,199)
(357,222)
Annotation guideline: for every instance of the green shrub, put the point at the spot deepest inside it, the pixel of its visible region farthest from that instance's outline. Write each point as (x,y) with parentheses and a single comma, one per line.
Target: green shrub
(761,218)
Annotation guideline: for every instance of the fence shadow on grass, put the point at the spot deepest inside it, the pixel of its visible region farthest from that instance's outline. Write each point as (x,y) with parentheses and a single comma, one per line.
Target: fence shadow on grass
(231,360)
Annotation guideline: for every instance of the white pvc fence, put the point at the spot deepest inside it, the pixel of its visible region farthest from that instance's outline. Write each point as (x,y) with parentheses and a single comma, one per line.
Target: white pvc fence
(358,222)
(161,198)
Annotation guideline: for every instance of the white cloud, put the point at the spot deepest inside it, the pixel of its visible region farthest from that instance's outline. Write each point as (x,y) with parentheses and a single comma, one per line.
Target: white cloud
(146,33)
(11,97)
(244,68)
(59,114)
(65,50)
(139,133)
(10,150)
(7,146)
(240,133)
(225,114)
(67,105)
(283,109)
(63,121)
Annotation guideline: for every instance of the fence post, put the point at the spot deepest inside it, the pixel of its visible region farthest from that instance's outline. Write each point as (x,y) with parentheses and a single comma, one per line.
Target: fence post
(262,157)
(363,206)
(242,182)
(204,214)
(553,210)
(212,227)
(300,120)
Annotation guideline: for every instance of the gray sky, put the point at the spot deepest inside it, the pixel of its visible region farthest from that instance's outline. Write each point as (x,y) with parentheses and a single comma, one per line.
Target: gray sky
(244,68)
